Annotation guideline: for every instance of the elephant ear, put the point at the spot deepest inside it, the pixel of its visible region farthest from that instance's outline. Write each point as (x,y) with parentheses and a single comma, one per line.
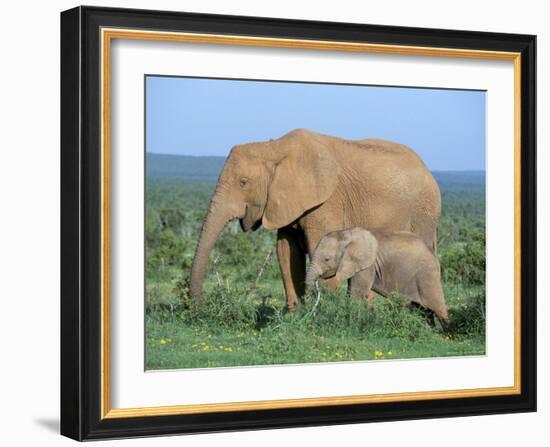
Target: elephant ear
(306,176)
(360,249)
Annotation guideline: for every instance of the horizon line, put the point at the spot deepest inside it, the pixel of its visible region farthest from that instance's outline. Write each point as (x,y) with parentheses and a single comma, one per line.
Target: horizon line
(222,156)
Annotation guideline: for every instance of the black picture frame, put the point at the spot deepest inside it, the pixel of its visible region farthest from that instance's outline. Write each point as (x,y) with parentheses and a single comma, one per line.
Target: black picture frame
(81,223)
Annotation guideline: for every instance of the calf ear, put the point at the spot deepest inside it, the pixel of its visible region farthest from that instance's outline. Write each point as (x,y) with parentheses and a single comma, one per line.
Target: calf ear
(359,249)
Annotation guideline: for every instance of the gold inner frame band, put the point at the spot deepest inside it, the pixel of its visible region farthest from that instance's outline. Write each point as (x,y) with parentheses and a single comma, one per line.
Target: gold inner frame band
(107,35)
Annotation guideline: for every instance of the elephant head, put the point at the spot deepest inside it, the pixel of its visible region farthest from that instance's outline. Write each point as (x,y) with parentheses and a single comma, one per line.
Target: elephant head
(342,253)
(268,183)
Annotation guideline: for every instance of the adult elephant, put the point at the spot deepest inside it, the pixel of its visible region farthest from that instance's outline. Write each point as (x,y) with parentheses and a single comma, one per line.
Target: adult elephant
(305,185)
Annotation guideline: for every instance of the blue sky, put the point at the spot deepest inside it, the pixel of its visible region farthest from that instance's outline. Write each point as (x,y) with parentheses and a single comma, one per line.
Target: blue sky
(208,116)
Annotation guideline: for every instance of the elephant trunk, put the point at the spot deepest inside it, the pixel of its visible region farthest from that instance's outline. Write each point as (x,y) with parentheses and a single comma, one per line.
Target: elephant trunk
(313,272)
(214,223)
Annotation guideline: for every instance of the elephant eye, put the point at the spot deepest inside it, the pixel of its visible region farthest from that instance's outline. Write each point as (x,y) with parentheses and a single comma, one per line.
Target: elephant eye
(243,182)
(327,259)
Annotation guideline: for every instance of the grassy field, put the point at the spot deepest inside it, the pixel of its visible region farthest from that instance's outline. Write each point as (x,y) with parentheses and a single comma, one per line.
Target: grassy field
(242,320)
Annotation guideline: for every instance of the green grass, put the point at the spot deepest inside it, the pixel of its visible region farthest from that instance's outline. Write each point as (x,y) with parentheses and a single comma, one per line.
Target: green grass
(241,331)
(237,324)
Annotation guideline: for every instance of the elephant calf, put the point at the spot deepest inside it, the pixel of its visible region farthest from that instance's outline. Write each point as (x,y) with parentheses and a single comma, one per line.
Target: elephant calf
(384,262)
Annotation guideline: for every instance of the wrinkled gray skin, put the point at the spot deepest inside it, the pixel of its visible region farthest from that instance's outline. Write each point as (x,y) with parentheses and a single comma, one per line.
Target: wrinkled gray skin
(384,262)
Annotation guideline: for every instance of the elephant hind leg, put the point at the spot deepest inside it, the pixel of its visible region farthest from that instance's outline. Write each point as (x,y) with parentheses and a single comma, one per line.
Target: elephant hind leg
(432,297)
(427,313)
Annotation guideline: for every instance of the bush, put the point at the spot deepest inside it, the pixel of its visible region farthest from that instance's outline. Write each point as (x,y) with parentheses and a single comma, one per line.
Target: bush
(463,263)
(468,317)
(223,308)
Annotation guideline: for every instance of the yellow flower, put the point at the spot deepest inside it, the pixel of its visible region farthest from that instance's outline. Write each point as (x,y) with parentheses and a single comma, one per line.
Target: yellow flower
(390,353)
(194,346)
(338,354)
(163,341)
(229,349)
(220,347)
(206,348)
(378,354)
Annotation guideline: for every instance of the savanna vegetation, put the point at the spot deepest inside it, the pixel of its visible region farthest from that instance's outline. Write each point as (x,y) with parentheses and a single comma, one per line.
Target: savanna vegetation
(242,318)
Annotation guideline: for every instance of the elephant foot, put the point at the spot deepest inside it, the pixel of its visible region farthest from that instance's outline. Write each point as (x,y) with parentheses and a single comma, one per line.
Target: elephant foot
(369,298)
(291,305)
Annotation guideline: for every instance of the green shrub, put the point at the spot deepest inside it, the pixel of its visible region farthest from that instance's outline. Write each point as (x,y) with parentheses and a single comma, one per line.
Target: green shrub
(222,308)
(463,263)
(467,318)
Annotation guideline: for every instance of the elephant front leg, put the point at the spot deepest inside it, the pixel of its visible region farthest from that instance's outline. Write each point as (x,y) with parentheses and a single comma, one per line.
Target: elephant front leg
(292,262)
(360,285)
(331,283)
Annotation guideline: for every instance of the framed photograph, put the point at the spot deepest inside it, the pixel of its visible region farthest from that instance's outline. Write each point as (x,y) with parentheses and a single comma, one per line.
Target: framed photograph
(278,223)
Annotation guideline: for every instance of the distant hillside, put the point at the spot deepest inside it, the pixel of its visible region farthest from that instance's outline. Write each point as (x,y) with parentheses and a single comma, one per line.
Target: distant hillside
(208,168)
(460,180)
(185,166)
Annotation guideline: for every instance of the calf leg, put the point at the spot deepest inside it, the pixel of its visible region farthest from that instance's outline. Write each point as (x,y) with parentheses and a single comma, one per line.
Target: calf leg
(432,297)
(361,283)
